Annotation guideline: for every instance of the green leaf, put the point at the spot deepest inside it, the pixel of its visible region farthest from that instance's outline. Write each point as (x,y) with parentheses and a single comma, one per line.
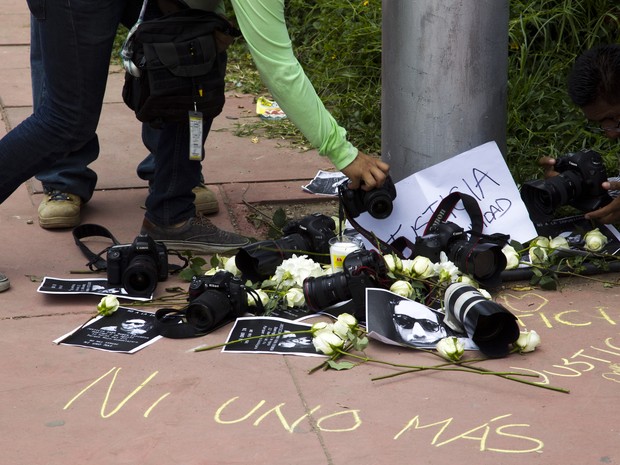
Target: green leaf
(549,283)
(340,365)
(279,218)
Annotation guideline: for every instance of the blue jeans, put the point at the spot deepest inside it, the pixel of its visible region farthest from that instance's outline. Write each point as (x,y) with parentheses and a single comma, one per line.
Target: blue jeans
(170,172)
(76,38)
(71,172)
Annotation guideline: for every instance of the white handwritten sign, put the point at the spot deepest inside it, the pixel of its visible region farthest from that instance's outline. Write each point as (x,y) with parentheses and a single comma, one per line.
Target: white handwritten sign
(481,173)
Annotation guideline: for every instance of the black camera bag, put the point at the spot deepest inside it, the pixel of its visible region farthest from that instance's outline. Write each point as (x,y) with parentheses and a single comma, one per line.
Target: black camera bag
(182,61)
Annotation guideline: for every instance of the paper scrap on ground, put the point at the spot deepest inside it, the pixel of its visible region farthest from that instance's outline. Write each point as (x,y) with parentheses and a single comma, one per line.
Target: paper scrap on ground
(325,183)
(268,109)
(98,286)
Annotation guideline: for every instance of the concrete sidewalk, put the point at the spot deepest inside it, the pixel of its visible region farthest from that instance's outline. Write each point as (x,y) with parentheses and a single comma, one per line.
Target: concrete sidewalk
(163,405)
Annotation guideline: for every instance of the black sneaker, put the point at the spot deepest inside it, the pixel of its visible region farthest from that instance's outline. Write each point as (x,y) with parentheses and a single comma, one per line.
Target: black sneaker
(197,234)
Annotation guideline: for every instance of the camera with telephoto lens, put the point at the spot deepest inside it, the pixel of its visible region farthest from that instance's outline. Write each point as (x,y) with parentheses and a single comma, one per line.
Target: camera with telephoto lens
(309,235)
(215,300)
(360,269)
(377,202)
(138,266)
(487,323)
(578,184)
(480,258)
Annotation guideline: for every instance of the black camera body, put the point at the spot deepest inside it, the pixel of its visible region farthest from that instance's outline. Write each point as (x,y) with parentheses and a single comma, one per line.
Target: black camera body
(309,235)
(361,269)
(138,266)
(481,257)
(316,229)
(215,300)
(578,184)
(377,202)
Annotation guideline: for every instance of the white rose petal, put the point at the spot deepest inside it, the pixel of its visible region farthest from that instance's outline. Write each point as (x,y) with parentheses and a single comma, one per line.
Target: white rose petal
(402,288)
(108,305)
(538,255)
(295,297)
(327,342)
(540,241)
(321,326)
(595,240)
(450,348)
(344,323)
(422,267)
(558,242)
(527,341)
(393,262)
(231,266)
(512,257)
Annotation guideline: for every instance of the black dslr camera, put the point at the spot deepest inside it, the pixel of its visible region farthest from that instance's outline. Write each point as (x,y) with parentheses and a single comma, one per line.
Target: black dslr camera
(215,300)
(481,258)
(360,270)
(138,266)
(377,202)
(310,235)
(578,185)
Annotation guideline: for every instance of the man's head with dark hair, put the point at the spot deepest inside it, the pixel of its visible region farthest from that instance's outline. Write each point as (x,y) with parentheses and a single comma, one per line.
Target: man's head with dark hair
(596,76)
(594,86)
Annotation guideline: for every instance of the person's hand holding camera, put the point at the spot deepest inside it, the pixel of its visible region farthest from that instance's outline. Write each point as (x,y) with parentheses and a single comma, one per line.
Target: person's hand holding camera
(610,213)
(366,172)
(548,166)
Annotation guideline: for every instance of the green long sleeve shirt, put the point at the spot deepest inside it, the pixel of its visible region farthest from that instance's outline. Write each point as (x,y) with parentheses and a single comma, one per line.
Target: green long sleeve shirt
(264,29)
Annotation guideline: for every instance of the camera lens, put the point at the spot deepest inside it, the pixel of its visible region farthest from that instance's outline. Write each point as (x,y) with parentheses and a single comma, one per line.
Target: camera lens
(484,261)
(325,291)
(140,276)
(487,323)
(259,261)
(379,204)
(208,310)
(542,198)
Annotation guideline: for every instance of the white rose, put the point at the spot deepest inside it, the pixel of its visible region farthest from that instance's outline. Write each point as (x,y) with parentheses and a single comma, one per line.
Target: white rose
(558,242)
(402,288)
(422,267)
(540,241)
(595,240)
(446,270)
(528,341)
(538,255)
(108,305)
(327,342)
(393,262)
(321,326)
(512,257)
(450,348)
(294,270)
(295,297)
(231,266)
(344,323)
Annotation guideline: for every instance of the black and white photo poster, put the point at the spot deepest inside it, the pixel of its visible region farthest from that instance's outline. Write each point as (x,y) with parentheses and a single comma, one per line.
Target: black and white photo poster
(127,330)
(289,338)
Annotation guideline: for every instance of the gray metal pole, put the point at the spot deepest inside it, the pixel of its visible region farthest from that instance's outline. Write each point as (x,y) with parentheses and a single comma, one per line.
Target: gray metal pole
(445,74)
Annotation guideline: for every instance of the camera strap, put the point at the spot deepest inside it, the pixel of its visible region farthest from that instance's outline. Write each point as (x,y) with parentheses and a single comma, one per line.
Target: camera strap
(95,260)
(404,247)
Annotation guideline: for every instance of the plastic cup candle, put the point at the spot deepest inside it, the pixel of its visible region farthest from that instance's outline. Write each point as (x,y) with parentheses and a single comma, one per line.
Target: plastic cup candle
(340,247)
